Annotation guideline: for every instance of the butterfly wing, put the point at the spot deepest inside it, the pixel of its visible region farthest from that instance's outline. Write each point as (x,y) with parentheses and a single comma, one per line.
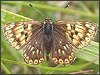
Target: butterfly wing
(62,50)
(18,33)
(34,50)
(79,33)
(26,35)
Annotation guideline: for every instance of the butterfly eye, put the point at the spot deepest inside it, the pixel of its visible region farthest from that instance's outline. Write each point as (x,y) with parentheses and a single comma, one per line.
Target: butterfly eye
(44,22)
(51,23)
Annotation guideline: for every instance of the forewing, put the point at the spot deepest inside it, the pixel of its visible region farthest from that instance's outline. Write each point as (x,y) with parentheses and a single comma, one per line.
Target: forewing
(34,50)
(18,33)
(62,50)
(79,33)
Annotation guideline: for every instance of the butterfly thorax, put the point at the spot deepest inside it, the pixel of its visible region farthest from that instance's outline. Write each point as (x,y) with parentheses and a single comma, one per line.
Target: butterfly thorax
(47,27)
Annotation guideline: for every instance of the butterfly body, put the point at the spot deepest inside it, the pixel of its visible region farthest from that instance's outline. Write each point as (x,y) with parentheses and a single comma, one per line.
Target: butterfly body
(48,34)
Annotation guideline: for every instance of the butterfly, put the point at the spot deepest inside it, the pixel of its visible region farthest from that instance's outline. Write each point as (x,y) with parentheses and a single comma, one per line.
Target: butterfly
(56,39)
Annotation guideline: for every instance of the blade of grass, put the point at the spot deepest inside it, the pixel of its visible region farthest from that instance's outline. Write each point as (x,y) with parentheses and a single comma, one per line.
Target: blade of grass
(88,56)
(5,68)
(11,15)
(54,8)
(71,68)
(52,71)
(84,7)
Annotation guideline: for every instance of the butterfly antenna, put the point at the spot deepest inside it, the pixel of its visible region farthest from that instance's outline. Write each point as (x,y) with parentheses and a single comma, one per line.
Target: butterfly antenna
(68,4)
(37,10)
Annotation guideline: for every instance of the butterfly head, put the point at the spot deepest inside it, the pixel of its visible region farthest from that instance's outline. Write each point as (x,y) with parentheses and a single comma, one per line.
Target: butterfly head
(47,21)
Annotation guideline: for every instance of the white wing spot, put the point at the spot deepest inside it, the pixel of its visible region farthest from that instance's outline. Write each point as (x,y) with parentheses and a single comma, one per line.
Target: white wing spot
(41,59)
(88,25)
(17,47)
(60,42)
(76,37)
(60,61)
(89,35)
(79,23)
(18,35)
(74,58)
(7,32)
(65,47)
(30,61)
(80,35)
(40,52)
(22,42)
(87,39)
(37,51)
(24,55)
(14,44)
(79,30)
(32,48)
(63,52)
(66,61)
(75,41)
(36,42)
(91,31)
(7,28)
(33,52)
(55,60)
(29,46)
(92,27)
(26,59)
(70,57)
(59,50)
(11,25)
(68,27)
(84,43)
(29,27)
(11,39)
(22,37)
(19,28)
(72,54)
(87,22)
(35,61)
(8,36)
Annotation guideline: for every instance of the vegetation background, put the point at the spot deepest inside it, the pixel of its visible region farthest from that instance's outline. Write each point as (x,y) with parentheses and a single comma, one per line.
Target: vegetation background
(87,58)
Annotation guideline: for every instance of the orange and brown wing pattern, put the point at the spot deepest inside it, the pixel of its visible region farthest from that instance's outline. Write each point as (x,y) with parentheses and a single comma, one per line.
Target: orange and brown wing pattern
(79,33)
(18,33)
(34,50)
(62,50)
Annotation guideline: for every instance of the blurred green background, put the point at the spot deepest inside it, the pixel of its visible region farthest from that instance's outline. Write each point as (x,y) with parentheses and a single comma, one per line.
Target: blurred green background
(87,58)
